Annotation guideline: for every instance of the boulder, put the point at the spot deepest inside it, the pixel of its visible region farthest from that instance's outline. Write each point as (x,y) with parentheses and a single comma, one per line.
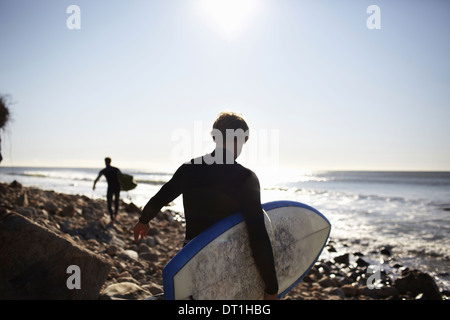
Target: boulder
(16,185)
(360,262)
(143,248)
(113,250)
(150,241)
(129,255)
(387,291)
(149,256)
(386,250)
(342,259)
(416,282)
(382,292)
(155,289)
(51,207)
(36,263)
(22,200)
(326,282)
(125,291)
(132,208)
(128,279)
(68,211)
(315,274)
(350,290)
(153,231)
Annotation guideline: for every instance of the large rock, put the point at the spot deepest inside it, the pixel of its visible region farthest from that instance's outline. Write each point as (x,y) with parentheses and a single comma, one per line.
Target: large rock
(342,259)
(125,291)
(129,255)
(326,282)
(35,261)
(132,208)
(350,290)
(379,293)
(416,282)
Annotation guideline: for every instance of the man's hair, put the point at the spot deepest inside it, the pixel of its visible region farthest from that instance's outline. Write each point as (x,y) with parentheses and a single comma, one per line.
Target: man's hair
(230,121)
(108,160)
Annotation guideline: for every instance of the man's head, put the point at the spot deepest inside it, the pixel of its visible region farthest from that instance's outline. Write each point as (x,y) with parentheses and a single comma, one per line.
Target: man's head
(108,161)
(230,131)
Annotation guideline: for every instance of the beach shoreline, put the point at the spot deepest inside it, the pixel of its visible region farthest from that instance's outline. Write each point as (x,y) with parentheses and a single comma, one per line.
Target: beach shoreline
(136,269)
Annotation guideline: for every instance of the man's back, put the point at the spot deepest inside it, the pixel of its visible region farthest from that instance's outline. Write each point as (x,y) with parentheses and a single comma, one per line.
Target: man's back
(212,192)
(112,176)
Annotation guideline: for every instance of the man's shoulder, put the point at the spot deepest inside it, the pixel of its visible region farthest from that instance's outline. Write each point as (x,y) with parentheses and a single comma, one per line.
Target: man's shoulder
(199,165)
(246,170)
(110,169)
(246,175)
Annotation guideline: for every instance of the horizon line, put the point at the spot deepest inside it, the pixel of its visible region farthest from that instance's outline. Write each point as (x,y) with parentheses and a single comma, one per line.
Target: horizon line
(165,168)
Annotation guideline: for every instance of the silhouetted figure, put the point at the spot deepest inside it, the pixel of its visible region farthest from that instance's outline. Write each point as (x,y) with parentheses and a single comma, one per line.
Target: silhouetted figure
(215,186)
(4,116)
(112,177)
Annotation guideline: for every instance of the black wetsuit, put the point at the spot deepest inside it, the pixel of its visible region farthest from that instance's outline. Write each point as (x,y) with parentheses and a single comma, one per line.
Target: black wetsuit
(112,176)
(212,192)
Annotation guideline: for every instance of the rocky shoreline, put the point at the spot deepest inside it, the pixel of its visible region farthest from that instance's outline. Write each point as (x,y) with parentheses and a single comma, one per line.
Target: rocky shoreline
(136,269)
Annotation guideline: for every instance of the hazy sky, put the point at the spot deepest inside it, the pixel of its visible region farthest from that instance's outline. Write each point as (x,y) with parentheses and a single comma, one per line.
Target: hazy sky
(142,82)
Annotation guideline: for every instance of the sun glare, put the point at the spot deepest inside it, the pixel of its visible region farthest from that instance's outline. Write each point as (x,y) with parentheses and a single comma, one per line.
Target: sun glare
(230,17)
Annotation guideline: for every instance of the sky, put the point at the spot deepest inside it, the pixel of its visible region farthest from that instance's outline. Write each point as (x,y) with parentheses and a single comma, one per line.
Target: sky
(143,81)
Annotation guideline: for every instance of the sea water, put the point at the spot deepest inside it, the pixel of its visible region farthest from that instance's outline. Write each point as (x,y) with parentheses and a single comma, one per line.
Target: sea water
(80,181)
(407,211)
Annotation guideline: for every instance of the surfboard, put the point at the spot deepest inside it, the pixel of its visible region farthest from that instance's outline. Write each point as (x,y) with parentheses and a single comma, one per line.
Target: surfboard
(126,182)
(218,263)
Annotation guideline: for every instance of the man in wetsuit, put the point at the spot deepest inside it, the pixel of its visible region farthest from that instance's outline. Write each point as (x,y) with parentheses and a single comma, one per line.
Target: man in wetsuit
(215,186)
(112,177)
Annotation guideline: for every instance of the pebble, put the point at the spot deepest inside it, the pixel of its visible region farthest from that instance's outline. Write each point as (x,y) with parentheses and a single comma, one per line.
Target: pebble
(124,291)
(129,254)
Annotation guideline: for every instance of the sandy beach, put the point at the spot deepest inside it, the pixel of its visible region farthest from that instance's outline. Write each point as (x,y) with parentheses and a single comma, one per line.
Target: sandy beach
(135,270)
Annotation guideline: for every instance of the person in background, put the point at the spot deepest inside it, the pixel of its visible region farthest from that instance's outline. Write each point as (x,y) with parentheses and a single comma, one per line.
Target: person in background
(215,186)
(4,117)
(112,177)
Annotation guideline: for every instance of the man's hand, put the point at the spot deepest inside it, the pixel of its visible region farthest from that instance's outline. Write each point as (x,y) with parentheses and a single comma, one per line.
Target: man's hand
(140,231)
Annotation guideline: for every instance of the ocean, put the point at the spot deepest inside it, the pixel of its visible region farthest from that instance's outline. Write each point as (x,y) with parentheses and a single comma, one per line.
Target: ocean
(406,211)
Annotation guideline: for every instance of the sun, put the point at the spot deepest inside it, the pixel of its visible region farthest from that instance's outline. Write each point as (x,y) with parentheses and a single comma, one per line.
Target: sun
(229,17)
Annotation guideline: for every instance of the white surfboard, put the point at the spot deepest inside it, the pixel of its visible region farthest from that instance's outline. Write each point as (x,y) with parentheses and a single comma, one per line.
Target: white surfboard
(218,263)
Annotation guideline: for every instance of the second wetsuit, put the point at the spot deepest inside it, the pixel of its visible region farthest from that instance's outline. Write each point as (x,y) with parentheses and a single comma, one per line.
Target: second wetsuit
(112,177)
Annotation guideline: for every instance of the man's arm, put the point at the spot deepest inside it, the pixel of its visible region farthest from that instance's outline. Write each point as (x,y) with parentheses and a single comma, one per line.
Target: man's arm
(259,239)
(172,189)
(98,177)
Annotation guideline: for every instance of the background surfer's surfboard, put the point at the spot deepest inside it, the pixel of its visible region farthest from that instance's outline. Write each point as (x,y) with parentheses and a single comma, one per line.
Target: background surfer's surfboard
(126,182)
(218,263)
